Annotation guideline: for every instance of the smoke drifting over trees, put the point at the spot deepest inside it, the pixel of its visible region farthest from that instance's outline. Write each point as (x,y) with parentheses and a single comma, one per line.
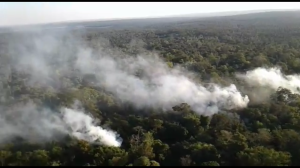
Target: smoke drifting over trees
(165,96)
(143,80)
(272,78)
(40,125)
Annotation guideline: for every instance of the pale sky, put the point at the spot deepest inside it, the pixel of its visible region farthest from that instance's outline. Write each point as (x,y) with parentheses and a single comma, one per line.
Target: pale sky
(20,13)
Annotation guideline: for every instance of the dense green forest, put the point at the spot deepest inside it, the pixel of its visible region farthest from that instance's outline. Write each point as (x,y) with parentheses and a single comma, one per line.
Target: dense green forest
(43,73)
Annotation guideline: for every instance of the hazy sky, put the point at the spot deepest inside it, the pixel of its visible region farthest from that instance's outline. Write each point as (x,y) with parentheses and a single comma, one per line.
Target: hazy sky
(16,13)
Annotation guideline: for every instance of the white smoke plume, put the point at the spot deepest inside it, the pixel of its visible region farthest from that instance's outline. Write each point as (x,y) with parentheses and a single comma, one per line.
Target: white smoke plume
(146,81)
(143,80)
(34,124)
(271,78)
(83,127)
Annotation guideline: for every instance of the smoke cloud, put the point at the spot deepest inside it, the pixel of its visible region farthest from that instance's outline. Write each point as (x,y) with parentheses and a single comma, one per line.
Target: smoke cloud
(271,78)
(146,81)
(83,127)
(143,80)
(36,124)
(50,59)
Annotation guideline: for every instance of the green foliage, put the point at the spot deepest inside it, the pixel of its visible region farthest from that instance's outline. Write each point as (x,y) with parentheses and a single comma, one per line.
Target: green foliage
(261,156)
(263,134)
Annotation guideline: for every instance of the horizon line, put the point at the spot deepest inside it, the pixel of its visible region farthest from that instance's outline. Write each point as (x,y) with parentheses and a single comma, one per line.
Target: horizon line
(153,17)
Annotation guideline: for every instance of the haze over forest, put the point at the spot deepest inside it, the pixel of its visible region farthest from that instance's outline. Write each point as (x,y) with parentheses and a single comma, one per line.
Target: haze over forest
(215,90)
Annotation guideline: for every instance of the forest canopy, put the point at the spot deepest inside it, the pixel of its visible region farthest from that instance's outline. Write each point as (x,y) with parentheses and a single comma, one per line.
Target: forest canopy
(220,91)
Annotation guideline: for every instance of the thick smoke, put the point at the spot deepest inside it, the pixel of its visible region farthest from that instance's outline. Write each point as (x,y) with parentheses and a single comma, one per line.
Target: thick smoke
(143,80)
(31,123)
(271,78)
(146,81)
(49,59)
(83,127)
